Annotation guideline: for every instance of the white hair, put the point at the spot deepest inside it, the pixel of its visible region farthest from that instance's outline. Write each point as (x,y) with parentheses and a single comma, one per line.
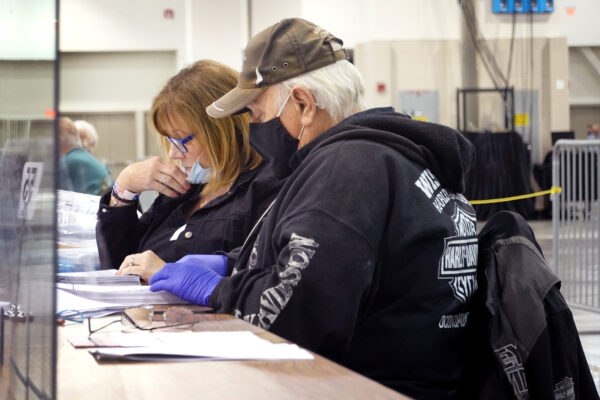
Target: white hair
(338,89)
(88,130)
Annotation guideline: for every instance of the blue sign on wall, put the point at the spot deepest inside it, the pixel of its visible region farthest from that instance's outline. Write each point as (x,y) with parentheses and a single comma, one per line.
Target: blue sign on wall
(522,6)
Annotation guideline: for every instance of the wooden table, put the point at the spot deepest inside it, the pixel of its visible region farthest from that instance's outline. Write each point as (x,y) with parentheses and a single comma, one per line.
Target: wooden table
(81,377)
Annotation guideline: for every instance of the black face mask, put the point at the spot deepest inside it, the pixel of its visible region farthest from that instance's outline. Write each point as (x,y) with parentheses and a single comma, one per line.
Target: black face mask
(275,145)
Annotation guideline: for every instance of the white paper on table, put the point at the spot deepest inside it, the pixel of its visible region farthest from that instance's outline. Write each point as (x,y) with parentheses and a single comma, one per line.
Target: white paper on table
(114,340)
(78,203)
(67,301)
(240,345)
(121,294)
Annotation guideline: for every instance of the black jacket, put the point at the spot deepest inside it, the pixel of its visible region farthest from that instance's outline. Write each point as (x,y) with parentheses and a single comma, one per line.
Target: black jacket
(368,254)
(220,225)
(524,341)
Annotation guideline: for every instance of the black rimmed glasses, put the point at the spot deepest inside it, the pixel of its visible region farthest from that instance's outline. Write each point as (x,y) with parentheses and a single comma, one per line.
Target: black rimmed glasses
(143,317)
(180,143)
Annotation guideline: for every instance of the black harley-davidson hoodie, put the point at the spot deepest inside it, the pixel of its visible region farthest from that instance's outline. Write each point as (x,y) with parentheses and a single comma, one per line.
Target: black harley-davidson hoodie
(368,254)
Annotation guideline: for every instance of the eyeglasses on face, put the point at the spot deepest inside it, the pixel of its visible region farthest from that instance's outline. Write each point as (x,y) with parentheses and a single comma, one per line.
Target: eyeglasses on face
(142,318)
(180,143)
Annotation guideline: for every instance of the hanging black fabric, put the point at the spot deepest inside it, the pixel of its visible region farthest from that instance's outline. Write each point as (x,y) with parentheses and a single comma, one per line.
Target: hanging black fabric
(502,164)
(523,342)
(542,173)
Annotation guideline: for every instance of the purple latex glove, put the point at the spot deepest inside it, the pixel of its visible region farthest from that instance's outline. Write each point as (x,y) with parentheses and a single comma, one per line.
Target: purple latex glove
(217,263)
(187,280)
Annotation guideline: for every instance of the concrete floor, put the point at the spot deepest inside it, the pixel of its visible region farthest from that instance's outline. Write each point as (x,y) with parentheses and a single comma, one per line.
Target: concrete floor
(588,323)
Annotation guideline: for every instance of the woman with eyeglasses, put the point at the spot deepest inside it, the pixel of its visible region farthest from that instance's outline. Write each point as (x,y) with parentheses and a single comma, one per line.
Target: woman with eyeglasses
(212,190)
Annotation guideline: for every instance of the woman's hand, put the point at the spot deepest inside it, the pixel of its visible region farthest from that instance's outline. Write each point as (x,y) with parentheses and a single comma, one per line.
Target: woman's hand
(154,174)
(143,264)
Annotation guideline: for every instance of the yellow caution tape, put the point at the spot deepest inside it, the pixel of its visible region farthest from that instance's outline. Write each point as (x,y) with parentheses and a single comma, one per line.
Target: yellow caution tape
(552,190)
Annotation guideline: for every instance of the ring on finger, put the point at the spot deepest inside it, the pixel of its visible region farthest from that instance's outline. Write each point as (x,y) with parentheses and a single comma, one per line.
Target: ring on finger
(163,180)
(131,261)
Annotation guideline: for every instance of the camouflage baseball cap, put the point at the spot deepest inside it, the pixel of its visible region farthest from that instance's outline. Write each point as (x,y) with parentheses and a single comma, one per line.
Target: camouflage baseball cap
(289,48)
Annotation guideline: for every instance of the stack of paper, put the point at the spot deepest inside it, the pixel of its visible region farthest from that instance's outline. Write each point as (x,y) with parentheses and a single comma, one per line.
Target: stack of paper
(77,203)
(70,305)
(102,277)
(170,346)
(96,293)
(76,228)
(120,294)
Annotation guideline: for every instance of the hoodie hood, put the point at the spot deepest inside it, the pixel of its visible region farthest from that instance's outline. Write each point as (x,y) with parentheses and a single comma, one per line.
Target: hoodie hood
(446,152)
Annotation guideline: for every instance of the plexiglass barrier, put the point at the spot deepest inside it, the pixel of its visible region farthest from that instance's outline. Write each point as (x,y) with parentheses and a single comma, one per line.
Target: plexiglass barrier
(27,198)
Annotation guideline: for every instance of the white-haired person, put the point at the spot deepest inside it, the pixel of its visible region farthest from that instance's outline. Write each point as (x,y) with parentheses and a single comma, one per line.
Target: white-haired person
(87,134)
(212,186)
(368,254)
(78,169)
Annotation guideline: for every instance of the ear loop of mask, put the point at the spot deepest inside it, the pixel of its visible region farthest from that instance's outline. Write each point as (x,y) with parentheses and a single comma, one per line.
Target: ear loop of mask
(319,106)
(284,104)
(281,110)
(301,133)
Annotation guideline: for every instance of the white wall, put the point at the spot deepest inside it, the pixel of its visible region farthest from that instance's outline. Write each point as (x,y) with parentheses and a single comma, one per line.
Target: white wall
(360,21)
(343,18)
(113,81)
(265,13)
(584,77)
(199,28)
(26,88)
(218,31)
(117,25)
(27,30)
(374,60)
(410,20)
(582,28)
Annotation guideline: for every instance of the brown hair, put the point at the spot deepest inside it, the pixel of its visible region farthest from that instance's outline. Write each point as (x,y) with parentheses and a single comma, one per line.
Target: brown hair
(225,140)
(67,133)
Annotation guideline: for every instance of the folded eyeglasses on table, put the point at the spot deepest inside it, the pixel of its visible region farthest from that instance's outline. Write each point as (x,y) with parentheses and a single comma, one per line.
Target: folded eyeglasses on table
(144,317)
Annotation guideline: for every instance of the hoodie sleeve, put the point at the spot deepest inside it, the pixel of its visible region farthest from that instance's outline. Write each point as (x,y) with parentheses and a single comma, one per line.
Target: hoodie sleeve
(313,293)
(231,256)
(311,270)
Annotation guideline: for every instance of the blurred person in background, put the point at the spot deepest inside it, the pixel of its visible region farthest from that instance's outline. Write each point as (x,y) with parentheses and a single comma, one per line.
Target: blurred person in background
(593,132)
(85,174)
(87,134)
(213,187)
(89,137)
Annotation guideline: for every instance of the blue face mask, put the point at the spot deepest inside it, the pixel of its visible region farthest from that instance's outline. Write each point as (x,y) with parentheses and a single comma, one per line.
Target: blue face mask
(198,174)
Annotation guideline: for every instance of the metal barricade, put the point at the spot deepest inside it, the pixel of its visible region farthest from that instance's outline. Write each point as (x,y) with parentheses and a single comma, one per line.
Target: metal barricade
(576,221)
